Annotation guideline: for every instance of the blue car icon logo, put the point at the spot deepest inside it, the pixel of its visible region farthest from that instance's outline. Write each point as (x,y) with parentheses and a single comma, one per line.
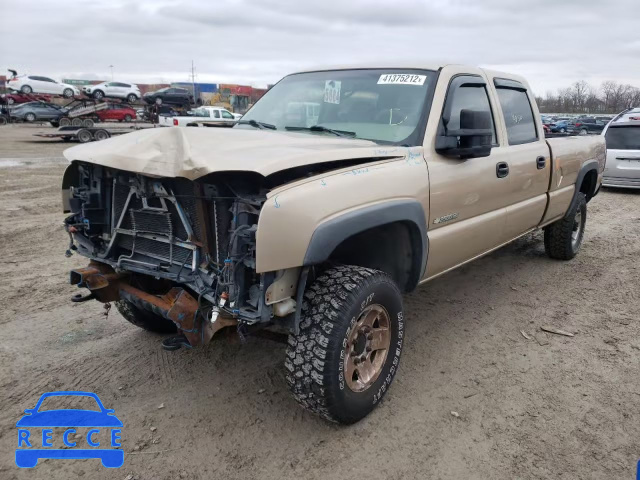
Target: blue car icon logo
(98,423)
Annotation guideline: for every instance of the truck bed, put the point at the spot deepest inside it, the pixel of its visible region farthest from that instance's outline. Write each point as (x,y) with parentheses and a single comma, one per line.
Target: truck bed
(569,153)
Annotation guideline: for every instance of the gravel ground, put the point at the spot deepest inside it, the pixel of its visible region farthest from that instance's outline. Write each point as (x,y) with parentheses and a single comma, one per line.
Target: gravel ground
(545,407)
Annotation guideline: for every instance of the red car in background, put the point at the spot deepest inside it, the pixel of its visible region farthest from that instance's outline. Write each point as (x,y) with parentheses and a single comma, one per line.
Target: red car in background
(121,113)
(14,98)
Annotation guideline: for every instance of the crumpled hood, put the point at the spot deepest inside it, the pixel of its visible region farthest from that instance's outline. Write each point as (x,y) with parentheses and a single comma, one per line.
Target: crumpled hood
(194,152)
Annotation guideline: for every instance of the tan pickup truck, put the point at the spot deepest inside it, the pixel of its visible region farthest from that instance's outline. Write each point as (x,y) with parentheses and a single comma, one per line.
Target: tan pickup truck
(337,192)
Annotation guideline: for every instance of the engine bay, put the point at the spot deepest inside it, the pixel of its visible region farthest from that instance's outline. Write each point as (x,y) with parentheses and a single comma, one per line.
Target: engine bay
(195,234)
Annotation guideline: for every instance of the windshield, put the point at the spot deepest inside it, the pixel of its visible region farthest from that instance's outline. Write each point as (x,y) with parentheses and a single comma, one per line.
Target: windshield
(623,138)
(383,105)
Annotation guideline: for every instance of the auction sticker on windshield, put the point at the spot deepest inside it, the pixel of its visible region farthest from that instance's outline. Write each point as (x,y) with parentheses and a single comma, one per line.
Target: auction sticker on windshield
(332,91)
(401,79)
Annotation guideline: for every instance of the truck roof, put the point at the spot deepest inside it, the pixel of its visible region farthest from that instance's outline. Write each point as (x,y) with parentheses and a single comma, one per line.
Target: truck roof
(413,65)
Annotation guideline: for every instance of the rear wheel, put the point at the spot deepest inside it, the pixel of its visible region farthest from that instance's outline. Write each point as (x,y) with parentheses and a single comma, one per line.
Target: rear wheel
(30,117)
(562,239)
(158,101)
(131,98)
(144,319)
(87,122)
(76,122)
(65,122)
(26,89)
(127,118)
(3,120)
(346,354)
(10,101)
(563,130)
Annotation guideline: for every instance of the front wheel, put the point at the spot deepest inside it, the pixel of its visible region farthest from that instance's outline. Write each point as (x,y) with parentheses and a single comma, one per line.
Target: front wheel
(562,239)
(144,319)
(158,101)
(127,118)
(347,351)
(67,93)
(64,121)
(84,136)
(98,94)
(30,117)
(131,98)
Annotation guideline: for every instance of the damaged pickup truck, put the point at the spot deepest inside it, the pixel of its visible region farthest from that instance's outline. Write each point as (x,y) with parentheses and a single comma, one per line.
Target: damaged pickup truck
(337,192)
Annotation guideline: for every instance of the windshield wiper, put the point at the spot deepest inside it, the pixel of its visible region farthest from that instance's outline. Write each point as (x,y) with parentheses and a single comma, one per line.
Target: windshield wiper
(257,124)
(320,128)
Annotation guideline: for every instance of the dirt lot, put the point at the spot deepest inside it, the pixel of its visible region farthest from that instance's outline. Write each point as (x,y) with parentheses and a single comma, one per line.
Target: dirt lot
(565,408)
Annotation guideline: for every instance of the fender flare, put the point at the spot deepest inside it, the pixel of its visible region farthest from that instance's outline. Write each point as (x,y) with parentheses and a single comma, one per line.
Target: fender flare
(586,167)
(330,234)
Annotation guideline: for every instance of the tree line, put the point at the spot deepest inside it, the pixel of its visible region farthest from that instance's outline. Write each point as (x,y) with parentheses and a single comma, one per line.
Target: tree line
(610,97)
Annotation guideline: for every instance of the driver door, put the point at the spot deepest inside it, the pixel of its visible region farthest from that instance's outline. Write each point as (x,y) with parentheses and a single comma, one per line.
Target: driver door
(468,197)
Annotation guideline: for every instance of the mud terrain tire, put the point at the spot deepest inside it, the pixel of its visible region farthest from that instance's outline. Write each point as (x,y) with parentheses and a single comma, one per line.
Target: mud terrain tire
(562,239)
(143,319)
(317,357)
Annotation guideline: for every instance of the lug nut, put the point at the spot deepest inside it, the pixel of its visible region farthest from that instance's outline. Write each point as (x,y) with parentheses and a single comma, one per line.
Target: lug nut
(356,360)
(370,336)
(368,349)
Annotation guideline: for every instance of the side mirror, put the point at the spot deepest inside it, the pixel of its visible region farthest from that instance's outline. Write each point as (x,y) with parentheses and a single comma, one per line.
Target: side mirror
(472,140)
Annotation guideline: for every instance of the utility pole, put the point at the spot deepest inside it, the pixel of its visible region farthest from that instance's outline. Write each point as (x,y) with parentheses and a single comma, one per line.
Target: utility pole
(111,67)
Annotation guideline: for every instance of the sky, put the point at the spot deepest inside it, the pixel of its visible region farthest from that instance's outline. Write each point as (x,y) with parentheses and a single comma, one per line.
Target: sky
(553,43)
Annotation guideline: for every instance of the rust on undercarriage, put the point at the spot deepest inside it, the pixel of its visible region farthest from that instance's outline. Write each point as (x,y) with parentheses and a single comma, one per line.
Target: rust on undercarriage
(177,304)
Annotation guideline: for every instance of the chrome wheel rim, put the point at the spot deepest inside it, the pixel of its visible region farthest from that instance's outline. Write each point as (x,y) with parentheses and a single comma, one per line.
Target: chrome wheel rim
(367,348)
(576,230)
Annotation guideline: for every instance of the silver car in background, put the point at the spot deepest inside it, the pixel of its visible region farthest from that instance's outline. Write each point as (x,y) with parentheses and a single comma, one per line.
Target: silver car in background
(623,150)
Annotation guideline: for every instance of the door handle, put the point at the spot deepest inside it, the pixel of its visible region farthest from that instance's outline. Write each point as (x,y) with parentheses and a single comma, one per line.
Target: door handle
(541,162)
(502,169)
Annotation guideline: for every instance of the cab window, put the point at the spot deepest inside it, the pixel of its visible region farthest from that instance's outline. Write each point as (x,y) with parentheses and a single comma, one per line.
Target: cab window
(468,96)
(518,115)
(226,114)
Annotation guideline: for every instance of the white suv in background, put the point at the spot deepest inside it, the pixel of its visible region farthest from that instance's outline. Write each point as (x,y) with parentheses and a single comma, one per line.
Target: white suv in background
(37,84)
(129,91)
(623,150)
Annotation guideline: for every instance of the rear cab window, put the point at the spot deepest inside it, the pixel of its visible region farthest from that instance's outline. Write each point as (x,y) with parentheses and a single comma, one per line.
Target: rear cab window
(624,137)
(517,112)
